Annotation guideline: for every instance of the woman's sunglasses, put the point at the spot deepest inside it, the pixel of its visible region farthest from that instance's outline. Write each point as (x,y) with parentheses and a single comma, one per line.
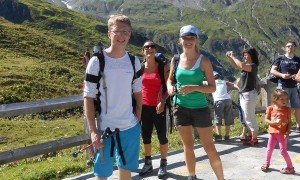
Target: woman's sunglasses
(152,46)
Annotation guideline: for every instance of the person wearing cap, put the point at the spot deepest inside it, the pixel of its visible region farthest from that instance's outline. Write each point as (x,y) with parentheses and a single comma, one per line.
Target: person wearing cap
(191,110)
(222,106)
(154,98)
(247,92)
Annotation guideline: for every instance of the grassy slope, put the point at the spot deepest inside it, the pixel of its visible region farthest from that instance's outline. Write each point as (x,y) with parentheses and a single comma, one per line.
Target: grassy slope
(42,57)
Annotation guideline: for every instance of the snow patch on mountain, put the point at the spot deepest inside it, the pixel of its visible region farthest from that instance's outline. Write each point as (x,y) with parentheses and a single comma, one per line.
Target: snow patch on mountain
(67,4)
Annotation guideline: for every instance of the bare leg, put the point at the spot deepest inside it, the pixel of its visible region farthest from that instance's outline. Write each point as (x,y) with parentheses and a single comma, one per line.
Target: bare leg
(148,149)
(254,134)
(187,139)
(218,130)
(124,174)
(227,130)
(297,116)
(164,151)
(206,137)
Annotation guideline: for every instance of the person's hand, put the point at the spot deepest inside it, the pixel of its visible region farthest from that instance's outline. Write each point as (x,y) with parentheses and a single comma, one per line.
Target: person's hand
(171,90)
(184,90)
(96,140)
(160,107)
(286,136)
(286,76)
(229,54)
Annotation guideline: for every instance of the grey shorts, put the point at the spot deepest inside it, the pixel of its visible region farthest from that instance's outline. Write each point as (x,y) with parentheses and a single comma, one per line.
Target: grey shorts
(196,117)
(223,110)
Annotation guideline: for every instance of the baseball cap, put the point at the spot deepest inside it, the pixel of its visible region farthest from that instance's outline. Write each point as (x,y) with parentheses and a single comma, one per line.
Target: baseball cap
(216,73)
(189,30)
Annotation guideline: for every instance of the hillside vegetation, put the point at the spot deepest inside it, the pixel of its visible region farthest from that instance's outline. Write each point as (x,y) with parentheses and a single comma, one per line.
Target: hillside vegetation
(41,49)
(225,24)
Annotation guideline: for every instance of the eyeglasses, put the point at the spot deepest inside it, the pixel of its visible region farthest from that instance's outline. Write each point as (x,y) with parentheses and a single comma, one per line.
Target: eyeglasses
(121,33)
(152,46)
(290,46)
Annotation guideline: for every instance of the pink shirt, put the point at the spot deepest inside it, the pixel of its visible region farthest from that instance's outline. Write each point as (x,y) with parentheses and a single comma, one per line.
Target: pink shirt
(151,88)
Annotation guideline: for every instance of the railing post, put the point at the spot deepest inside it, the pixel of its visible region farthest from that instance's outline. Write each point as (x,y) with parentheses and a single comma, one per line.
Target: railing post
(266,93)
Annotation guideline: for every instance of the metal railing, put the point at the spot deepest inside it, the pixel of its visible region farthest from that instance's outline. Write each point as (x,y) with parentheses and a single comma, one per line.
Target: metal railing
(16,109)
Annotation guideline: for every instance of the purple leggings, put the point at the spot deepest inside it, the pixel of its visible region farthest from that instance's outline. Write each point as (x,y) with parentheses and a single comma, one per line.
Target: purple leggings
(273,138)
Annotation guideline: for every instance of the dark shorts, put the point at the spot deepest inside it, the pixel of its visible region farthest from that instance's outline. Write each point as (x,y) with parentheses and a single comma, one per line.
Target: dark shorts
(223,110)
(196,117)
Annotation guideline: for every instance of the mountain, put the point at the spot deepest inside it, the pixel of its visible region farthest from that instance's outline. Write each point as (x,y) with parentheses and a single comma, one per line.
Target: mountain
(225,24)
(42,41)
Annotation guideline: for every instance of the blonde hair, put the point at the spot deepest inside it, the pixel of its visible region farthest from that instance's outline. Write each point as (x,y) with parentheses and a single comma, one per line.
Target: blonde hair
(278,93)
(119,18)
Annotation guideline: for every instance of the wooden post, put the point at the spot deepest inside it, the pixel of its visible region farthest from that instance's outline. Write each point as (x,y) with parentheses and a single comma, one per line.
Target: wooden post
(266,93)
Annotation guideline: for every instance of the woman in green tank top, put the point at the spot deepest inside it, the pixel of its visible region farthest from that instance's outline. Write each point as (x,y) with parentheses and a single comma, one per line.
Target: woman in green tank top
(191,110)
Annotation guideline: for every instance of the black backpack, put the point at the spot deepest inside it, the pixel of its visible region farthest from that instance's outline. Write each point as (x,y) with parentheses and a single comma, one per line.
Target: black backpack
(98,51)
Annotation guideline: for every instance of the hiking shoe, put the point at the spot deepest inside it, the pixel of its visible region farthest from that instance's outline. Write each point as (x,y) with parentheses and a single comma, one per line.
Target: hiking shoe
(162,171)
(147,168)
(192,177)
(287,170)
(226,138)
(218,137)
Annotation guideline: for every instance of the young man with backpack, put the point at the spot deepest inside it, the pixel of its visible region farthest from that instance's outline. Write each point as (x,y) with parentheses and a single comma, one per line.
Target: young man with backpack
(115,84)
(155,74)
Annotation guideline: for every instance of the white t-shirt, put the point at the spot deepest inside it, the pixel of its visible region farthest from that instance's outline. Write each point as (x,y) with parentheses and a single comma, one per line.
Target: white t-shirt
(118,74)
(221,91)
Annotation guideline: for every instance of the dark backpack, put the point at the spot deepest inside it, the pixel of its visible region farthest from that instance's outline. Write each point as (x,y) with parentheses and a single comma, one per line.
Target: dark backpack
(98,51)
(270,76)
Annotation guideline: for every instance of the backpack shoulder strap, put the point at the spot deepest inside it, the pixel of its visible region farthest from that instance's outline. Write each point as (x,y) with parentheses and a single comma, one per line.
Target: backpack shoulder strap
(132,60)
(161,73)
(176,59)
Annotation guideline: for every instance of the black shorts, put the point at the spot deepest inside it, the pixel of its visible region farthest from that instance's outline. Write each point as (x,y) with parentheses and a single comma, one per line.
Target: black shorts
(196,117)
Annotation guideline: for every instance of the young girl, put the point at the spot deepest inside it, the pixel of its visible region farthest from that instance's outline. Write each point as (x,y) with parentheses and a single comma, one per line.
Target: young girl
(278,116)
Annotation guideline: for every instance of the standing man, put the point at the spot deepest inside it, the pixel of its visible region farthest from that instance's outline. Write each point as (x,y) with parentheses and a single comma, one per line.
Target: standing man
(286,68)
(116,87)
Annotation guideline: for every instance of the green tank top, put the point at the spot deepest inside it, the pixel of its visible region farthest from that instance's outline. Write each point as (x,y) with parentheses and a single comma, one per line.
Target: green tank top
(194,76)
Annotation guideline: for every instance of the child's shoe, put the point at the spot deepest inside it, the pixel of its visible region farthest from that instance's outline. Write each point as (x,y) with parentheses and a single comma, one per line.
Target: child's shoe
(265,167)
(287,170)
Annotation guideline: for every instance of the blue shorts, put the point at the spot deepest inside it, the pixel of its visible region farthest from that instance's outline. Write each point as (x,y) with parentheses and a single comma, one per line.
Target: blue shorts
(293,96)
(130,142)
